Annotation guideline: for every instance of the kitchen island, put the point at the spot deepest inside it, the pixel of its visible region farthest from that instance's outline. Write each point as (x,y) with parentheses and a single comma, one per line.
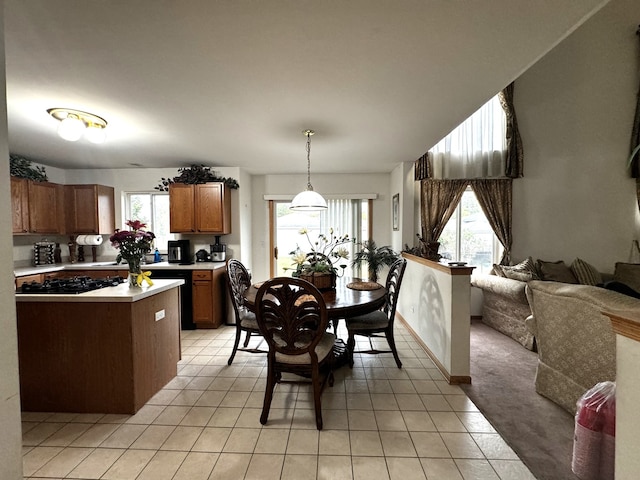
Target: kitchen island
(104,351)
(204,293)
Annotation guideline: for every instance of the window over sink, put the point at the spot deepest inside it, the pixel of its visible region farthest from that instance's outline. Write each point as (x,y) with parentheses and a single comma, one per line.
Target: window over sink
(151,208)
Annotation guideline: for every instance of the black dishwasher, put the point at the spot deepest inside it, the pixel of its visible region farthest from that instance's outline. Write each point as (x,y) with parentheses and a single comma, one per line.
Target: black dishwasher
(186,298)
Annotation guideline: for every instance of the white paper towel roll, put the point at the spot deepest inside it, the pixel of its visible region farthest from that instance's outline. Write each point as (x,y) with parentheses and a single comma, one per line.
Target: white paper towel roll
(89,239)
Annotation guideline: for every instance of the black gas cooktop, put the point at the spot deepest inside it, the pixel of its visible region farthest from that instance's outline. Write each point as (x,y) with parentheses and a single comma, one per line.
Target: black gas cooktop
(70,285)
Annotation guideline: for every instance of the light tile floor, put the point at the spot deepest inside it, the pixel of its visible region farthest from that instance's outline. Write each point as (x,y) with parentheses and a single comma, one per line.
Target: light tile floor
(380,422)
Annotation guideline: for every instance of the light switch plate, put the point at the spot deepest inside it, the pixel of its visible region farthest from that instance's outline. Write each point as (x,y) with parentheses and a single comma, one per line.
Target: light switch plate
(159,315)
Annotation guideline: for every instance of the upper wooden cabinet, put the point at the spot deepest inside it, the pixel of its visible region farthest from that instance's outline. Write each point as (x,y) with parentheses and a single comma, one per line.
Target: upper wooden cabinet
(202,208)
(90,209)
(46,207)
(20,205)
(182,203)
(37,207)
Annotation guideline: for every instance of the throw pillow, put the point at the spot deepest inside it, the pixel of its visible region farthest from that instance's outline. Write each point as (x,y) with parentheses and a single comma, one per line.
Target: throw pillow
(628,273)
(556,272)
(521,275)
(586,273)
(497,270)
(621,288)
(523,271)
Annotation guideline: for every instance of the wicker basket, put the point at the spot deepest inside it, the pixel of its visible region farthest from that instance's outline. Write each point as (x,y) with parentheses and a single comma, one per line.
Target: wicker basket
(322,281)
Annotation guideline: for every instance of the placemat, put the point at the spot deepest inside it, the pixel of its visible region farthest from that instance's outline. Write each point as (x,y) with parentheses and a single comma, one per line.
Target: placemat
(364,285)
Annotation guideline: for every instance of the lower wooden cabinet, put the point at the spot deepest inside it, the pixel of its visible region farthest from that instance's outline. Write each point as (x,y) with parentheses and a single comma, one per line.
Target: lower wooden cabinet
(36,277)
(208,297)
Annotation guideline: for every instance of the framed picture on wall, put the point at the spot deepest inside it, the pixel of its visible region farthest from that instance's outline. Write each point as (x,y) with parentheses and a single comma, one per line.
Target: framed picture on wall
(395,209)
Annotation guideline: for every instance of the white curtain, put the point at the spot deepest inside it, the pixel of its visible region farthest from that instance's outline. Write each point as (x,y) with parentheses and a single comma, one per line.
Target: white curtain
(343,215)
(477,148)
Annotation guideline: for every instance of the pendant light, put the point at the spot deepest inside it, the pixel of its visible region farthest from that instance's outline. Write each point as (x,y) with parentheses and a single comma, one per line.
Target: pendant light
(308,200)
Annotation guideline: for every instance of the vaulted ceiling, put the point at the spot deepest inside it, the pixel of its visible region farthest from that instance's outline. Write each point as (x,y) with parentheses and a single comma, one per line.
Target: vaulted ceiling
(235,82)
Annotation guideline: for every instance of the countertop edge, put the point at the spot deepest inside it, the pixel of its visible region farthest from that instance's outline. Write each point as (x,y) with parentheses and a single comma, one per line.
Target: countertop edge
(31,270)
(118,294)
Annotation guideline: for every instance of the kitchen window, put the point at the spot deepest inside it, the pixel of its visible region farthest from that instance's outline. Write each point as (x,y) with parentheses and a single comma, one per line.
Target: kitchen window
(151,208)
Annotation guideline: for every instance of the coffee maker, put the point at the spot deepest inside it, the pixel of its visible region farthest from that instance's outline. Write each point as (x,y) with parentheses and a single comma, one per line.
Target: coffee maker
(179,251)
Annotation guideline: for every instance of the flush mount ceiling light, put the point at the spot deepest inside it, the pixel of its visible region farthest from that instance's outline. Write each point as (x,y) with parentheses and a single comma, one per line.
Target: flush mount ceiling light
(75,123)
(308,200)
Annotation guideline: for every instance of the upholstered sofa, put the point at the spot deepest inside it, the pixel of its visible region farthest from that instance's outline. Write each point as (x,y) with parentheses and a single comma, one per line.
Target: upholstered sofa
(576,343)
(505,307)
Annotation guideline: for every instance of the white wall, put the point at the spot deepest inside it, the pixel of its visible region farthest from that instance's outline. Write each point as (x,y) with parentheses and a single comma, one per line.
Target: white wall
(575,110)
(11,437)
(324,184)
(435,304)
(402,182)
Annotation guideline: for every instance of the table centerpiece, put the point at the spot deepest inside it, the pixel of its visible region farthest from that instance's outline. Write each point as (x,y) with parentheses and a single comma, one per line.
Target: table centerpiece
(318,266)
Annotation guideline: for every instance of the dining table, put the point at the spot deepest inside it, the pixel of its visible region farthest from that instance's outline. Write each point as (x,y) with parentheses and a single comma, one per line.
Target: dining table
(350,297)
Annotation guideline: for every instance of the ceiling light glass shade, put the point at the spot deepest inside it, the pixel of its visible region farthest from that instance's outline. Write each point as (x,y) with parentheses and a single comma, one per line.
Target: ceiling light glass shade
(308,201)
(71,128)
(74,123)
(95,134)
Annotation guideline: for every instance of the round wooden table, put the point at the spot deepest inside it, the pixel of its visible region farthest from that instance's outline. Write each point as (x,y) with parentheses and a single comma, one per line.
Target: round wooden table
(341,302)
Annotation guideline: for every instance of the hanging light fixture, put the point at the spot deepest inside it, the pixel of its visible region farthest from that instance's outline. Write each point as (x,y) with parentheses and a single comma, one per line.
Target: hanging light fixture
(308,200)
(75,123)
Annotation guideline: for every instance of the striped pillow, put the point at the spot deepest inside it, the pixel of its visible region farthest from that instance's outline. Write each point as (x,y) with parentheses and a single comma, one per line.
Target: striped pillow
(585,273)
(523,271)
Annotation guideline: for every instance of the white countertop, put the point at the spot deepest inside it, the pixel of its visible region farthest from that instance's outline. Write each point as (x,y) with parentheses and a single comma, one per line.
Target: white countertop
(120,294)
(31,270)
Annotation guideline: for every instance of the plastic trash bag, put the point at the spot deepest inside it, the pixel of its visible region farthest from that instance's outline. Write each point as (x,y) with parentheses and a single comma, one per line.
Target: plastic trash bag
(594,436)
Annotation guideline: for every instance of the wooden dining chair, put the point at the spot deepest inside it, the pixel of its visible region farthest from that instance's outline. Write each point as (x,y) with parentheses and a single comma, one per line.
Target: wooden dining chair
(380,322)
(239,281)
(292,317)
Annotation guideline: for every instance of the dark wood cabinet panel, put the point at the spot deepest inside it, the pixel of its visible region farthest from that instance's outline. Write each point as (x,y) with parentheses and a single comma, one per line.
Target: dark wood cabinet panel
(38,277)
(46,207)
(213,208)
(96,357)
(181,208)
(209,297)
(20,205)
(202,208)
(90,209)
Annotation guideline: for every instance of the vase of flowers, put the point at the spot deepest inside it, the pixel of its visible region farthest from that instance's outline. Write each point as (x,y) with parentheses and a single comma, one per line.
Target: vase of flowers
(133,245)
(318,266)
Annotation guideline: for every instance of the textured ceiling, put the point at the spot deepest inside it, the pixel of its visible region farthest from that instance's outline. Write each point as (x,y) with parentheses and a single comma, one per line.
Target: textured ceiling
(234,83)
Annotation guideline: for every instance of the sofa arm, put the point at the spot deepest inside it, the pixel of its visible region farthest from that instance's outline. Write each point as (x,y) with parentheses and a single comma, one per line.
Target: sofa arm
(531,325)
(506,287)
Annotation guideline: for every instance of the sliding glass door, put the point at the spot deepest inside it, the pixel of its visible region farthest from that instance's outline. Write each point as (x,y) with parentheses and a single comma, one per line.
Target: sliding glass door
(344,216)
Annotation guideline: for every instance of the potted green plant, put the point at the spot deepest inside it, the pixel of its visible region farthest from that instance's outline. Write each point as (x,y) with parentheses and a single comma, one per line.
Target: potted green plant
(374,258)
(193,175)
